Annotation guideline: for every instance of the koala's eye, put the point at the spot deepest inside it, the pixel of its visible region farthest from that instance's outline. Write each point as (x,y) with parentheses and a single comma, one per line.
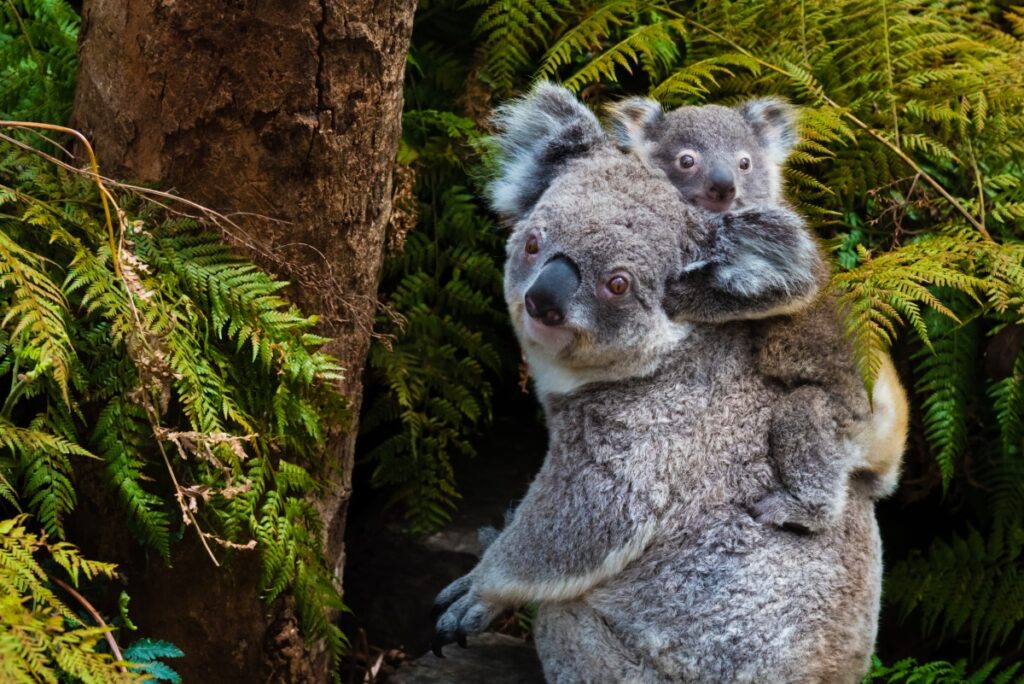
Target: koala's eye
(618,285)
(687,161)
(614,285)
(745,163)
(532,245)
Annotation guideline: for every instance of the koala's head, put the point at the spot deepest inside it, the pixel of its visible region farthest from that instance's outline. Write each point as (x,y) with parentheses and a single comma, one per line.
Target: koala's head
(595,238)
(718,157)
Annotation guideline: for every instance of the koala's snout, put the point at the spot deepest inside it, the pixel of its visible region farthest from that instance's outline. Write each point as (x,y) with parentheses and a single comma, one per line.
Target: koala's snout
(548,298)
(721,183)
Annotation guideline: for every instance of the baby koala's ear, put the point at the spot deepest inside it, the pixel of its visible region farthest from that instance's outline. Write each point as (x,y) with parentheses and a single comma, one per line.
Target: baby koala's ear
(631,121)
(774,123)
(535,136)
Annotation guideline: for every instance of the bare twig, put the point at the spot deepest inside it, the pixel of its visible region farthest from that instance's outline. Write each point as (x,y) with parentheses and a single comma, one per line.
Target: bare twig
(978,178)
(186,511)
(332,297)
(227,544)
(94,165)
(107,631)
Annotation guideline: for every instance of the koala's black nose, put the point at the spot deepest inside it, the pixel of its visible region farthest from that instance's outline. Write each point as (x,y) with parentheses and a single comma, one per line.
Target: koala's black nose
(548,298)
(721,183)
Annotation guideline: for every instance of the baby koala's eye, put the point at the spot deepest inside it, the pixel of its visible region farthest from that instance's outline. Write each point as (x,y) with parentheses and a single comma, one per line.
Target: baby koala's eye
(687,161)
(618,285)
(532,245)
(745,163)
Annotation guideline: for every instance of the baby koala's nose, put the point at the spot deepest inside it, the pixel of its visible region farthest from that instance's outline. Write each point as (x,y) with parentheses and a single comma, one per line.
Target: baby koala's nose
(721,184)
(547,300)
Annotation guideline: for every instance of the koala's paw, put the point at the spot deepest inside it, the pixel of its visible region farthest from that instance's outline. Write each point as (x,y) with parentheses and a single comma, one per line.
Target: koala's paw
(768,250)
(459,612)
(783,510)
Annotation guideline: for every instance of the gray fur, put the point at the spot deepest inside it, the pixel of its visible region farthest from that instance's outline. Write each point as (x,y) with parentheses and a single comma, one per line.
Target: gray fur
(765,268)
(760,262)
(535,141)
(637,538)
(756,263)
(487,534)
(635,121)
(774,123)
(763,131)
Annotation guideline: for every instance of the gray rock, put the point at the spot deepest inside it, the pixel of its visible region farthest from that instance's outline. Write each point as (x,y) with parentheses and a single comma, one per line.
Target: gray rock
(490,659)
(455,538)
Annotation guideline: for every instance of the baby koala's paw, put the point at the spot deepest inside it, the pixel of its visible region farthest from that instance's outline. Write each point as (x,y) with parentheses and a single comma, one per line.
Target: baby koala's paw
(781,509)
(767,249)
(460,611)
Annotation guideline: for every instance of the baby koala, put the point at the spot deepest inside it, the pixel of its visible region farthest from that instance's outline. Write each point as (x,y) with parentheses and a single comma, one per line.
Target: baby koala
(728,160)
(719,158)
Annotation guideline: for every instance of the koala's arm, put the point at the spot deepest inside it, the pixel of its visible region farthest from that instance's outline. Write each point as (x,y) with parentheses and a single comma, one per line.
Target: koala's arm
(823,428)
(571,532)
(753,263)
(813,458)
(577,526)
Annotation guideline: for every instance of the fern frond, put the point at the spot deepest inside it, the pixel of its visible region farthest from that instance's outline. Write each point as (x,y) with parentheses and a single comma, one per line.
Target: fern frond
(123,436)
(42,639)
(887,290)
(146,657)
(970,585)
(511,31)
(38,42)
(436,377)
(35,317)
(946,378)
(942,672)
(590,30)
(651,47)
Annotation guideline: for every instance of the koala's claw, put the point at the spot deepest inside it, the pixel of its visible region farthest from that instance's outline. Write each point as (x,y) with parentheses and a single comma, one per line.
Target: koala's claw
(781,509)
(436,644)
(439,641)
(463,613)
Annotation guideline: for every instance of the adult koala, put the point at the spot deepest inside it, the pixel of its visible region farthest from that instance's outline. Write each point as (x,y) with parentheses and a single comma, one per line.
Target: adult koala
(636,538)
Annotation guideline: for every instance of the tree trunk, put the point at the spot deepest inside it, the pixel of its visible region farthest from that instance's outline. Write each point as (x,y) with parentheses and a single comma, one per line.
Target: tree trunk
(289,109)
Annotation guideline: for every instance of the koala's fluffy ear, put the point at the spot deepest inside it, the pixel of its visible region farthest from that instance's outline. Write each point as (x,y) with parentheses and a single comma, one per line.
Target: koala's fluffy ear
(631,121)
(536,135)
(774,122)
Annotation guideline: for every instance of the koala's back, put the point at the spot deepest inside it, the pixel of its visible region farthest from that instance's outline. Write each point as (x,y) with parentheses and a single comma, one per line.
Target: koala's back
(717,597)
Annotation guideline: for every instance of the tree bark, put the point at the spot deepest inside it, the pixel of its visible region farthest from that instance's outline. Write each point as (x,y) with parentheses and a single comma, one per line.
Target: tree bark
(289,109)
